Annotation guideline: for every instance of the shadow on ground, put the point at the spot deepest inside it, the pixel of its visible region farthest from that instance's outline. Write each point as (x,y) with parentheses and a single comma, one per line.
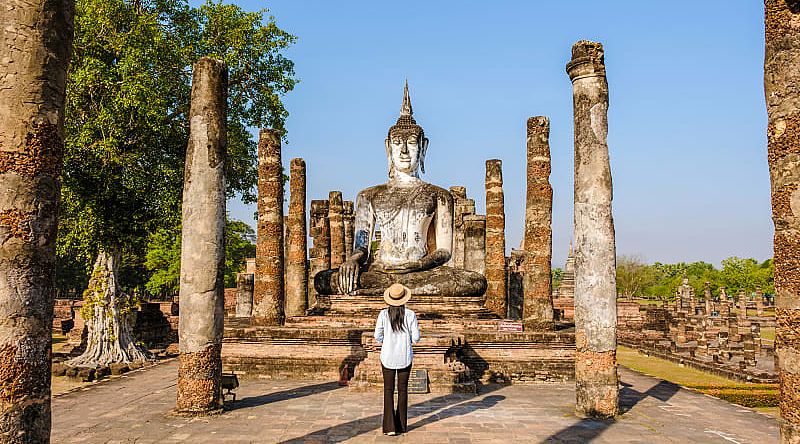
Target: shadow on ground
(452,405)
(588,429)
(298,392)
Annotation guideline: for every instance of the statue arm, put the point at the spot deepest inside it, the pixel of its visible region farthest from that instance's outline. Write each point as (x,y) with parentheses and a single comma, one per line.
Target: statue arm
(364,227)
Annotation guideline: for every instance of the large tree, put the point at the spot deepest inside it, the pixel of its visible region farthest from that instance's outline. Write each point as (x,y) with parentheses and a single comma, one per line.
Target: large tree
(128,98)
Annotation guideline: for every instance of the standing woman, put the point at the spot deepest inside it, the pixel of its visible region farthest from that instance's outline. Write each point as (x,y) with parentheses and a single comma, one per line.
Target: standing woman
(396,329)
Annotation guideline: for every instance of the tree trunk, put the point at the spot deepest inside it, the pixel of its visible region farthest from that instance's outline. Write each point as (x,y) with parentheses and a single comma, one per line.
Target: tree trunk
(108,315)
(35,44)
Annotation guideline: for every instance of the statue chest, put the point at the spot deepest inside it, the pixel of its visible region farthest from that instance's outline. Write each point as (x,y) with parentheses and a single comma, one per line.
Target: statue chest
(404,219)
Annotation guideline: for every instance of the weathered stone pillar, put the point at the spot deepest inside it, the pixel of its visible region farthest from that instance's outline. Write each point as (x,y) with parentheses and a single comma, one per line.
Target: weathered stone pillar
(335,209)
(296,266)
(268,296)
(595,249)
(537,302)
(461,208)
(475,243)
(707,297)
(759,302)
(35,47)
(742,304)
(203,243)
(781,80)
(348,221)
(495,239)
(320,253)
(244,295)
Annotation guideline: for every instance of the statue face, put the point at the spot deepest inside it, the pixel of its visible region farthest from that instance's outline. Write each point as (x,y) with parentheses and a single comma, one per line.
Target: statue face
(406,151)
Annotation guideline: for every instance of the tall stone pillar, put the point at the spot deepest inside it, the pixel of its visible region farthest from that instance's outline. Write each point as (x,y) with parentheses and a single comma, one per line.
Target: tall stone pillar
(459,194)
(297,265)
(335,210)
(320,253)
(268,291)
(244,295)
(475,243)
(537,298)
(781,80)
(348,221)
(595,249)
(35,47)
(495,239)
(203,243)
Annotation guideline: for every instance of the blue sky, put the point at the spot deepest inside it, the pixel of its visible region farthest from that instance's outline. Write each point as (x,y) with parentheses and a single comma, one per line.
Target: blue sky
(686,120)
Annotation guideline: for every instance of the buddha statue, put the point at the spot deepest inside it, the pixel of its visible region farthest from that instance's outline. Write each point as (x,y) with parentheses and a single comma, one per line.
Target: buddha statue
(416,224)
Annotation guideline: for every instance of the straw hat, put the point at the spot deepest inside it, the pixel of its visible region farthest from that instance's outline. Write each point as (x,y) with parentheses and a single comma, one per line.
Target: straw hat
(397,294)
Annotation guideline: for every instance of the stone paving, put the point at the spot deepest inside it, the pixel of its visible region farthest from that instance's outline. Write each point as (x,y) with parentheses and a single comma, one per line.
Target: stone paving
(134,408)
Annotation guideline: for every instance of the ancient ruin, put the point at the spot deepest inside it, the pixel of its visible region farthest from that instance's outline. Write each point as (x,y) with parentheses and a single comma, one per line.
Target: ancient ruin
(35,47)
(537,301)
(595,250)
(336,222)
(203,243)
(495,268)
(781,76)
(268,288)
(296,263)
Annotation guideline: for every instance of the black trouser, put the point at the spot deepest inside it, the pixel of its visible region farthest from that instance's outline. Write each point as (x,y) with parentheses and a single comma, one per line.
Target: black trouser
(395,420)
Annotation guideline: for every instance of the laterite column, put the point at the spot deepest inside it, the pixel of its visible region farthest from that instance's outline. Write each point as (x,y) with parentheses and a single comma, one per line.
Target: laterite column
(296,266)
(268,296)
(495,239)
(595,250)
(203,243)
(320,253)
(537,297)
(335,210)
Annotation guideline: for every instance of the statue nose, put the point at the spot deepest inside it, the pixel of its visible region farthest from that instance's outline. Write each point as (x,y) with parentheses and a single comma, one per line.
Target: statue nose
(404,149)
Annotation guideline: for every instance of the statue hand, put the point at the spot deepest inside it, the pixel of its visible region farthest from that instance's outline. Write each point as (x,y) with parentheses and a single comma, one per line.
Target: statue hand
(348,276)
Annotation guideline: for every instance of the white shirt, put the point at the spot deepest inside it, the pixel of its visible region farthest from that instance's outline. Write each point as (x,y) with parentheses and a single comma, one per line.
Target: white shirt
(396,351)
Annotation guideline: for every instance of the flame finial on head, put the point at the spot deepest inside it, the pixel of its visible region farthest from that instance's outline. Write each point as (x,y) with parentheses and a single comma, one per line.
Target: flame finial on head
(405,108)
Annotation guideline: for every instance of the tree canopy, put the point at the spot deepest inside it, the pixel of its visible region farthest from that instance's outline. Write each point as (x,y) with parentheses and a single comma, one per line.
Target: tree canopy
(126,131)
(659,280)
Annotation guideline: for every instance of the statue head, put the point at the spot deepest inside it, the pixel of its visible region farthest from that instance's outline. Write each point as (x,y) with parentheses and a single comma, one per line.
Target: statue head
(406,144)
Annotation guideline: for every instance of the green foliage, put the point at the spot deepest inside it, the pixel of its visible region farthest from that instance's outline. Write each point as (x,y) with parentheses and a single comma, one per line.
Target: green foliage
(660,281)
(164,257)
(128,95)
(556,275)
(237,248)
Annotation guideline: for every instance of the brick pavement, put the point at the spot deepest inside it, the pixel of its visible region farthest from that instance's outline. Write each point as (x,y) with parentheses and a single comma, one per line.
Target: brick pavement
(133,409)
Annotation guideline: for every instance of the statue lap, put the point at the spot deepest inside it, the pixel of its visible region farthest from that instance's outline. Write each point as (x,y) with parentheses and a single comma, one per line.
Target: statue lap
(443,280)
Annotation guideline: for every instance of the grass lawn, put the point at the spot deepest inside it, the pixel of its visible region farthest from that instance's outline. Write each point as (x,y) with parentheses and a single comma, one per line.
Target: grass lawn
(763,397)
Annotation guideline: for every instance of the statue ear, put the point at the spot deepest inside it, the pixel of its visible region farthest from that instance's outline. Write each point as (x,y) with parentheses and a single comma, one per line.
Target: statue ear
(423,149)
(389,157)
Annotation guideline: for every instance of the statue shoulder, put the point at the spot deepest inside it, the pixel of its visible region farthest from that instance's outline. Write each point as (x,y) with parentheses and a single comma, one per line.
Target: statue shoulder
(369,193)
(441,193)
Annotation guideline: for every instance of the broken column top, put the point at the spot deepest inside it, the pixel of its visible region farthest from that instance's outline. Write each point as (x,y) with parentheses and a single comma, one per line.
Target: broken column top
(587,60)
(319,207)
(458,192)
(347,207)
(538,124)
(335,198)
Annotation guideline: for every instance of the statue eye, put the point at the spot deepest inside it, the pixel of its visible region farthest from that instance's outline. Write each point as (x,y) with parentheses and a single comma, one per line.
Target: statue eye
(397,141)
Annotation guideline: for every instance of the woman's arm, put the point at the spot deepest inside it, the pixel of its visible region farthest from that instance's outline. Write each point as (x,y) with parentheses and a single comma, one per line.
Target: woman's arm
(414,329)
(379,328)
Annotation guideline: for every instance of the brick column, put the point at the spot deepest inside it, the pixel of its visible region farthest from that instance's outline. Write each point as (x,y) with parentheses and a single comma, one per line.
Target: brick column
(203,243)
(781,80)
(459,194)
(296,265)
(268,296)
(348,220)
(475,243)
(320,253)
(335,210)
(495,239)
(595,250)
(537,298)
